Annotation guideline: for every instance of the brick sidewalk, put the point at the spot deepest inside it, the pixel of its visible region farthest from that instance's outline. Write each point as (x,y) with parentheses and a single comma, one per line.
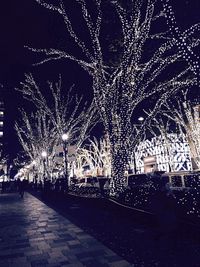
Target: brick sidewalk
(32,234)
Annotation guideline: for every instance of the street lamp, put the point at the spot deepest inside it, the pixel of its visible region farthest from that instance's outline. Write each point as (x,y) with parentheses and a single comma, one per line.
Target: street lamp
(65,137)
(44,155)
(140,119)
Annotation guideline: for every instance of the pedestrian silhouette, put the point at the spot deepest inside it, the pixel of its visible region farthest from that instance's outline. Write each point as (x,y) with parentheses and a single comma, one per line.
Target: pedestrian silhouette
(21,187)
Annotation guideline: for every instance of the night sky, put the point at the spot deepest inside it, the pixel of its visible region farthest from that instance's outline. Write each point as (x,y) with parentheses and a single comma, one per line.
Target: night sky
(24,22)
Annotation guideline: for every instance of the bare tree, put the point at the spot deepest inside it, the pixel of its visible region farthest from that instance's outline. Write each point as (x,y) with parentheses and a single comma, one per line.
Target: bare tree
(147,53)
(182,40)
(3,165)
(97,155)
(162,126)
(67,113)
(187,116)
(36,134)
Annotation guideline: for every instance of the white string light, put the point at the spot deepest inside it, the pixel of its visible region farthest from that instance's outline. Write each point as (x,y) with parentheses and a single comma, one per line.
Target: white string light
(119,90)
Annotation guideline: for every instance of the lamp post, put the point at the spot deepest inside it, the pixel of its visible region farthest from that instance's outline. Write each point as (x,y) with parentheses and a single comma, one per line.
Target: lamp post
(44,156)
(33,172)
(140,120)
(65,137)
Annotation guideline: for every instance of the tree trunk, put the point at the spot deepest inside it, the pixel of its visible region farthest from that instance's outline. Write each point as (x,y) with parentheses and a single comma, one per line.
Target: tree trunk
(120,161)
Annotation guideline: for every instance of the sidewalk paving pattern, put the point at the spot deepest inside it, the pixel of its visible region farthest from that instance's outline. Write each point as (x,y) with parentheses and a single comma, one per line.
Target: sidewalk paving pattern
(32,234)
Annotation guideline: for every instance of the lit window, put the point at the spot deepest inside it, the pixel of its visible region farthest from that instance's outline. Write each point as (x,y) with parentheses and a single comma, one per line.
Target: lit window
(1,112)
(1,133)
(1,122)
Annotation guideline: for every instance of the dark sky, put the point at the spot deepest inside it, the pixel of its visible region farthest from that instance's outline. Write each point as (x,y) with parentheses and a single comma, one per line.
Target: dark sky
(24,22)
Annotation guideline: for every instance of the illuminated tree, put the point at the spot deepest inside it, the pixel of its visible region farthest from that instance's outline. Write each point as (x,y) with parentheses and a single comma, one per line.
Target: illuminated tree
(67,112)
(182,39)
(21,159)
(187,116)
(3,164)
(36,134)
(97,155)
(148,68)
(161,126)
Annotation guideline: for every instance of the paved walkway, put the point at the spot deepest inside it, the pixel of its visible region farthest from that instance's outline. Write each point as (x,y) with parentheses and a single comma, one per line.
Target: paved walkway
(32,234)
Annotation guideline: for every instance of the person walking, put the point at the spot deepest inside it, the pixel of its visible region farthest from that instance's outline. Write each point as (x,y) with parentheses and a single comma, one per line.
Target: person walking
(21,187)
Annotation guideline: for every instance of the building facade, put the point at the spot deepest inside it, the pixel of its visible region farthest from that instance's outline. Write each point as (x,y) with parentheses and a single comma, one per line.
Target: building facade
(169,153)
(1,125)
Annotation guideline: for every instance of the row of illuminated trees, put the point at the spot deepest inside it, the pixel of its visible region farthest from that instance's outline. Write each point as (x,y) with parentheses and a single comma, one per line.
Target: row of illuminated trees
(155,61)
(42,142)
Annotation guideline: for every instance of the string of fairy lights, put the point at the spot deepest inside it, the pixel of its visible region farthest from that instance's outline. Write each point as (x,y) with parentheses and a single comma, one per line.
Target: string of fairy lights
(119,90)
(36,135)
(182,39)
(76,121)
(95,155)
(186,115)
(43,130)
